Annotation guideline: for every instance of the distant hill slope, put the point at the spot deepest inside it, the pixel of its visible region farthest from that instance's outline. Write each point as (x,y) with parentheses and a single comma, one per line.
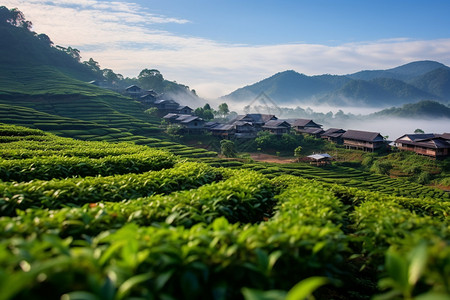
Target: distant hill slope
(423,109)
(404,72)
(404,84)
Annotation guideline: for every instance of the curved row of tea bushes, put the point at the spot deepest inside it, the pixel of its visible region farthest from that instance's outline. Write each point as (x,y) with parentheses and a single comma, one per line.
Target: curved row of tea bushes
(47,168)
(245,196)
(78,191)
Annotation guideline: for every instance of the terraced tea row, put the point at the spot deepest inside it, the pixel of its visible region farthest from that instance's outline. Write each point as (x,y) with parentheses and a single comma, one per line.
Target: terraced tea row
(57,193)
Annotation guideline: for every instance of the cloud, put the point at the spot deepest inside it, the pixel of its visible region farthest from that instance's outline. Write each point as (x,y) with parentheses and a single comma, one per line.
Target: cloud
(127,38)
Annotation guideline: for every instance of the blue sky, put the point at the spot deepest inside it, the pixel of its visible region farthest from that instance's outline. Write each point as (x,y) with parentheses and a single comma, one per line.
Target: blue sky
(218,46)
(327,22)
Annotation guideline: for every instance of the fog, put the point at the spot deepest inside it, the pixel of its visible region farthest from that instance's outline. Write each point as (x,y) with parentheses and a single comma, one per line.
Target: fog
(356,118)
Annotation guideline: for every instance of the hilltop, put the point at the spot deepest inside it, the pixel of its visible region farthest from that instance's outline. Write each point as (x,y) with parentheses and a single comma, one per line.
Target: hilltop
(404,84)
(426,109)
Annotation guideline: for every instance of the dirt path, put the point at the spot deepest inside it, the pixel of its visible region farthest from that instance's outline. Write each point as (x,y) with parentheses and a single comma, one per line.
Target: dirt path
(271,158)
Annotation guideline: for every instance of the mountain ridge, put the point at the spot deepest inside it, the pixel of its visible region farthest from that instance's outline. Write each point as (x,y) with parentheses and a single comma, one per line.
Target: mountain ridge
(419,80)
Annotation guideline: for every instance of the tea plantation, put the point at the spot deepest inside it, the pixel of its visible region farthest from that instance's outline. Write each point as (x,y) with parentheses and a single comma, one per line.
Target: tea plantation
(101,220)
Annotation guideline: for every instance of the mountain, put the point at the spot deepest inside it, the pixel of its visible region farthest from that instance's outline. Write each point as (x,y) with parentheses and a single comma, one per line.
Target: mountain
(436,82)
(404,84)
(422,110)
(288,85)
(404,72)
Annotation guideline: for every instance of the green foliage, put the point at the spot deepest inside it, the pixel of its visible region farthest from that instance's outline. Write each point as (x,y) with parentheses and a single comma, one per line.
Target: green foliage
(227,148)
(78,191)
(206,113)
(152,111)
(297,151)
(223,110)
(381,167)
(268,141)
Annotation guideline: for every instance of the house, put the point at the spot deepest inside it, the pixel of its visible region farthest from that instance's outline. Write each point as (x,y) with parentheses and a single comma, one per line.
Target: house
(307,126)
(277,127)
(333,135)
(428,144)
(245,130)
(189,123)
(320,159)
(211,124)
(171,118)
(148,99)
(363,140)
(166,106)
(186,110)
(257,120)
(223,130)
(445,136)
(133,91)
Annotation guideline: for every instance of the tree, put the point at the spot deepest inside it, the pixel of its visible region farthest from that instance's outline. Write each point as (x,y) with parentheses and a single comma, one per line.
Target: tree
(297,151)
(93,65)
(227,148)
(152,111)
(223,110)
(151,79)
(14,17)
(110,76)
(418,130)
(45,39)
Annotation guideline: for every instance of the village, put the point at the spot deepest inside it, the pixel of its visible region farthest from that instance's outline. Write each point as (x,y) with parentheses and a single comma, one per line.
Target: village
(433,145)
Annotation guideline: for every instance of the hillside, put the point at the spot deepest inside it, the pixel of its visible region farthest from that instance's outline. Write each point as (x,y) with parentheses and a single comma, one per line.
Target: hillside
(421,110)
(46,87)
(75,215)
(408,83)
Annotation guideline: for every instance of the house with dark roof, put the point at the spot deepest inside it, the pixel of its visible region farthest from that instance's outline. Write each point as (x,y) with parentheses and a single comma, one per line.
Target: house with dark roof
(190,124)
(186,110)
(428,144)
(258,120)
(446,136)
(166,106)
(148,99)
(333,135)
(223,130)
(363,140)
(133,91)
(277,127)
(245,130)
(307,126)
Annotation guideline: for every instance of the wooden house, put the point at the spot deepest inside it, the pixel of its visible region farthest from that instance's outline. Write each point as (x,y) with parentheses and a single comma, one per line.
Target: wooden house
(257,120)
(428,144)
(223,130)
(186,110)
(166,106)
(333,135)
(190,124)
(363,140)
(245,130)
(133,91)
(148,99)
(277,127)
(307,126)
(171,118)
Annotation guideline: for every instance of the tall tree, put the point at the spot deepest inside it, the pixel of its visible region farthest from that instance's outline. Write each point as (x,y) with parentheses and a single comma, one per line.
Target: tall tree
(223,110)
(151,79)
